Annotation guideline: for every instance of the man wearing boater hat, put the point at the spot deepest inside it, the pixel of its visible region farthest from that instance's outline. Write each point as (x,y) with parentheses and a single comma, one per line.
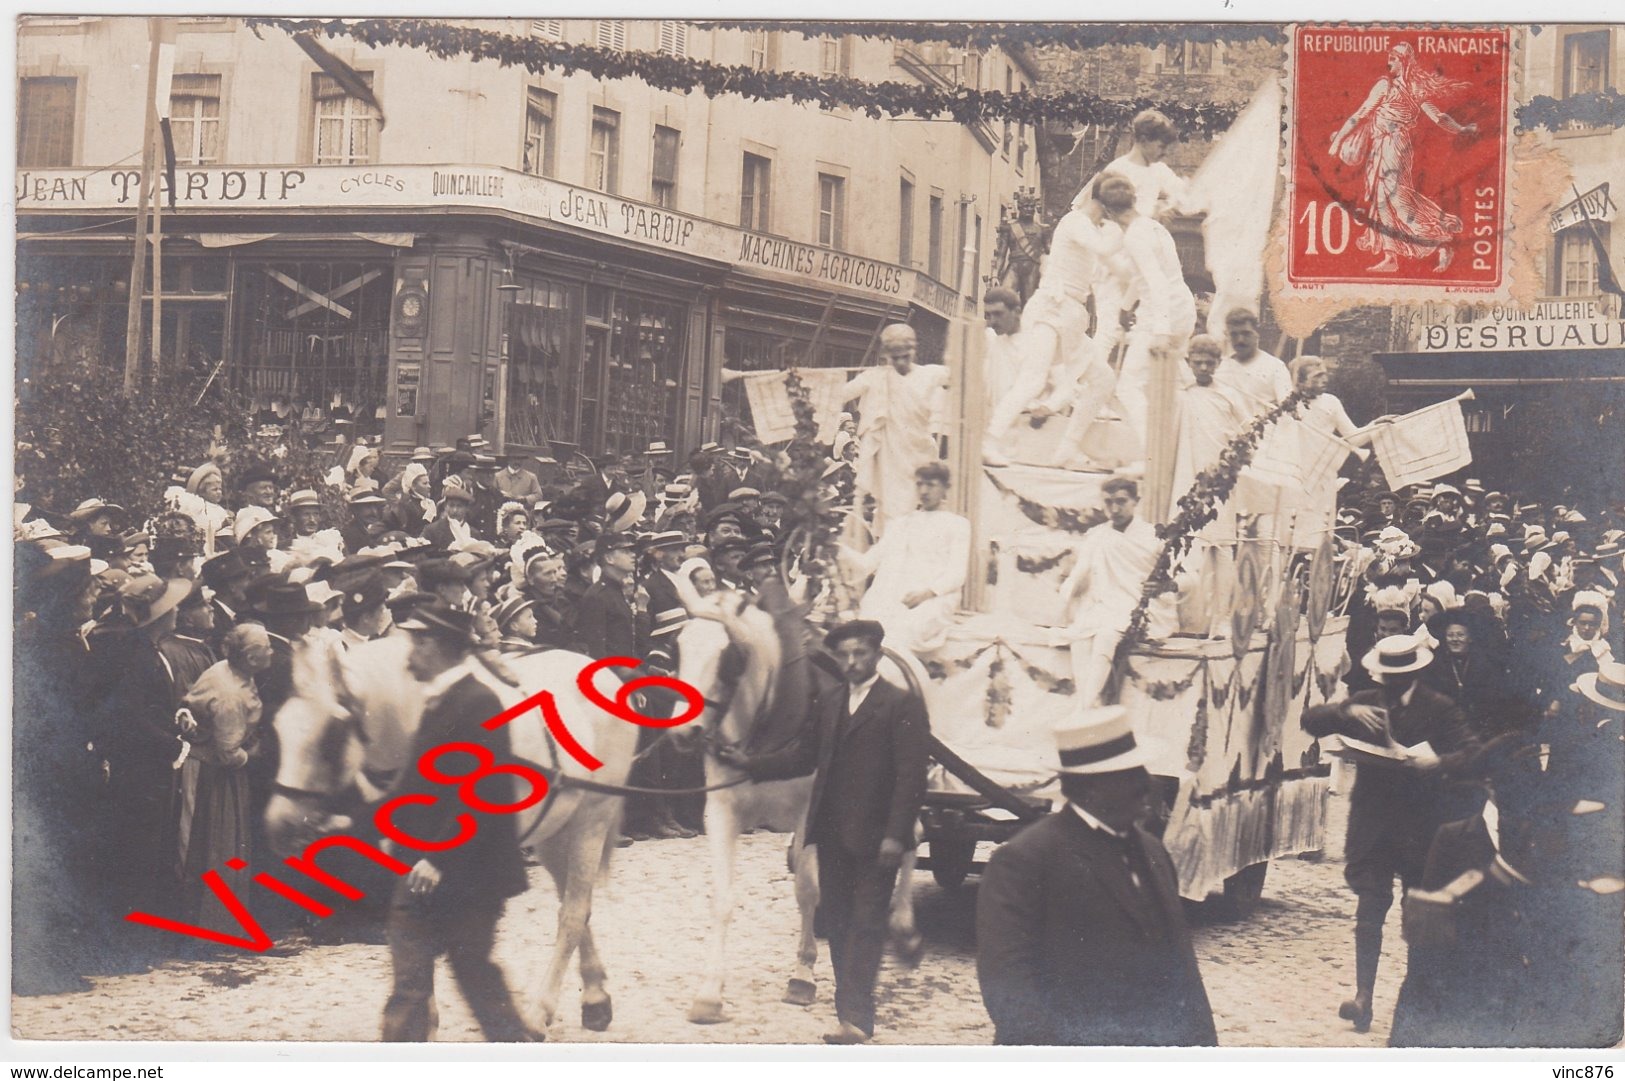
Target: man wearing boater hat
(1080,936)
(1398,803)
(870,760)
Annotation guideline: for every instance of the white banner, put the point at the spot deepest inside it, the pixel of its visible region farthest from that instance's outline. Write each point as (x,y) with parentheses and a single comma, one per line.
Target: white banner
(1419,446)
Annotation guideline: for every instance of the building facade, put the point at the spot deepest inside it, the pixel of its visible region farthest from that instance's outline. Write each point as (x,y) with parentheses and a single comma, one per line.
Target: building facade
(556,261)
(1548,376)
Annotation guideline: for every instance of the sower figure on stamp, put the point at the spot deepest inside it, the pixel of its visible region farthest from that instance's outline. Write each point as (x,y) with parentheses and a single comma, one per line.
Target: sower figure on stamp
(870,754)
(453,897)
(1396,808)
(1080,935)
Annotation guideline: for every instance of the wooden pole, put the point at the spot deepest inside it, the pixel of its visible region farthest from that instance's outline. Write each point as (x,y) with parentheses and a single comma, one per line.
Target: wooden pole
(138,259)
(157,248)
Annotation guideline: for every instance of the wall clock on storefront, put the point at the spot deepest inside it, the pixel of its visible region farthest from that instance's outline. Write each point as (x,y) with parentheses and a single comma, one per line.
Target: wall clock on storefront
(411,308)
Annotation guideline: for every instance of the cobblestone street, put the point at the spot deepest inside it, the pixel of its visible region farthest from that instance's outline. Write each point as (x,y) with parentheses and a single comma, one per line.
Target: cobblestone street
(1274,980)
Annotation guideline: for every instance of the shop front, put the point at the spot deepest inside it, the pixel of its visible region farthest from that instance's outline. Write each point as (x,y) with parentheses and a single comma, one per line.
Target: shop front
(1548,383)
(437,301)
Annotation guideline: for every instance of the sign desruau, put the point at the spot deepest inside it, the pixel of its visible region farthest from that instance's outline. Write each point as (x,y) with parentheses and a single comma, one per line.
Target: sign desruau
(373,187)
(1558,323)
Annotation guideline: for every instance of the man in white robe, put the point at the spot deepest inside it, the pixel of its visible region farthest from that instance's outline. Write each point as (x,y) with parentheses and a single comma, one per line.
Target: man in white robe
(902,405)
(1259,380)
(1114,560)
(1001,350)
(1210,416)
(1157,188)
(919,568)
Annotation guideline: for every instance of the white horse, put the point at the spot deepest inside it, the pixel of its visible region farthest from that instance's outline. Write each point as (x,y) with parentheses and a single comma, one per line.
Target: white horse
(734,654)
(347,733)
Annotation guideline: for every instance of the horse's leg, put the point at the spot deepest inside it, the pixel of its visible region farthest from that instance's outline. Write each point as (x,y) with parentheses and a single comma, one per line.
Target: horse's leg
(906,939)
(722,831)
(573,857)
(802,990)
(596,1009)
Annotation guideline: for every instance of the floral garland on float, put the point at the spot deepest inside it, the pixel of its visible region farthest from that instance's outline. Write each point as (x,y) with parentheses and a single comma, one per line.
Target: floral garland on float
(1196,509)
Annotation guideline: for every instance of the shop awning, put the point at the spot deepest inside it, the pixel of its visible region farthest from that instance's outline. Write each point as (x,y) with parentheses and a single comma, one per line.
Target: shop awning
(1517,368)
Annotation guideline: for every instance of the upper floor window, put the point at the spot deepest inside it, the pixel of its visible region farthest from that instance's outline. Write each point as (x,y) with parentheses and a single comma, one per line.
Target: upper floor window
(663,174)
(1585,63)
(604,151)
(755,193)
(905,222)
(761,50)
(549,29)
(346,127)
(673,37)
(45,119)
(831,210)
(541,109)
(933,237)
(1187,58)
(1575,265)
(835,55)
(612,34)
(194,118)
(970,70)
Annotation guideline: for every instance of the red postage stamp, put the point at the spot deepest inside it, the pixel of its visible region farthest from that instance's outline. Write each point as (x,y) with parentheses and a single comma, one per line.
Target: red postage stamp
(1398,158)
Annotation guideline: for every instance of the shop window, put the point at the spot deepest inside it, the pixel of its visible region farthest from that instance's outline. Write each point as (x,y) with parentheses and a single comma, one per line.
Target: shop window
(835,55)
(831,211)
(663,179)
(314,330)
(194,118)
(933,247)
(632,374)
(763,50)
(604,151)
(346,127)
(755,193)
(612,34)
(1575,265)
(45,120)
(905,222)
(544,370)
(541,107)
(673,38)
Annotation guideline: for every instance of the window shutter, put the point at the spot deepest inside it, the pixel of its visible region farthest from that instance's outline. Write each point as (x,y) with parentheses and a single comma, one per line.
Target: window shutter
(612,34)
(673,37)
(551,29)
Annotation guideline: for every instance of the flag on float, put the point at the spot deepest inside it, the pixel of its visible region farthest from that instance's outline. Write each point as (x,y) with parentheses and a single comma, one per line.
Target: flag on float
(1236,185)
(770,410)
(1419,446)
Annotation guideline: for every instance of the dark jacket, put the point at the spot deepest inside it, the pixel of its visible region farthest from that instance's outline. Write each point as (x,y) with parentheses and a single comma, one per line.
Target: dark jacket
(487,865)
(870,768)
(1069,951)
(1399,804)
(605,623)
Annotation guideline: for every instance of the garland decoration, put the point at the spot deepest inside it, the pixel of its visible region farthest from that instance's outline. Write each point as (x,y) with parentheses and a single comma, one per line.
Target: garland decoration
(685,75)
(986,35)
(1197,508)
(1065,519)
(1596,110)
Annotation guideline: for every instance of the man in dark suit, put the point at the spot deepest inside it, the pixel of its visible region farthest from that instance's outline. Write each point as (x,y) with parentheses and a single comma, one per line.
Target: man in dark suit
(869,750)
(1396,806)
(450,901)
(1080,936)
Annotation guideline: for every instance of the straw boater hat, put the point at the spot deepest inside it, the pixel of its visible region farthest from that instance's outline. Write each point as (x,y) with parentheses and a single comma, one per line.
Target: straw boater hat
(1605,686)
(1397,654)
(623,510)
(304,497)
(1098,741)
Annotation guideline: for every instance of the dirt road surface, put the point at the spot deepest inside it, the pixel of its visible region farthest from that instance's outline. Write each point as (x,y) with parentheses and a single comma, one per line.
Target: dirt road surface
(1274,980)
